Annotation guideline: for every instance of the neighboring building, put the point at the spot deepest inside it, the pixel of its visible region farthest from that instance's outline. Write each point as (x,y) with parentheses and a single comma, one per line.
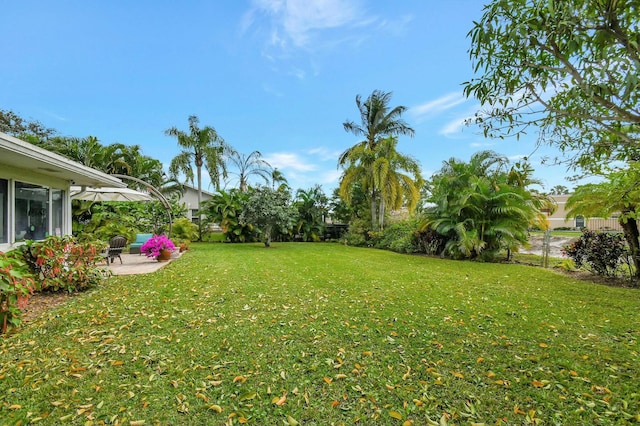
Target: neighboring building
(190,199)
(559,219)
(34,191)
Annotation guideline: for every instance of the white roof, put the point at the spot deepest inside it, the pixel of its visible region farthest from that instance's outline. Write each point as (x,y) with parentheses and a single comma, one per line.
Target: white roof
(20,154)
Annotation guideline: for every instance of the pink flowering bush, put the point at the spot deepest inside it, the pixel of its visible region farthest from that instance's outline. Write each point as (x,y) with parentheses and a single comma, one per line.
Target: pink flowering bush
(156,244)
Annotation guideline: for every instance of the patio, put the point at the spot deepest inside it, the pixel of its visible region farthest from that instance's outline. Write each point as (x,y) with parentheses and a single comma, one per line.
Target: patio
(138,264)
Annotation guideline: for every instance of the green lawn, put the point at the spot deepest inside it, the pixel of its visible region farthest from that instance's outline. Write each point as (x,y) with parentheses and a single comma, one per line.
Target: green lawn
(320,334)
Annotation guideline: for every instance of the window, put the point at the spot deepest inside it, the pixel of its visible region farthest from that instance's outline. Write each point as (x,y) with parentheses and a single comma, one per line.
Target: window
(4,211)
(31,212)
(580,223)
(57,212)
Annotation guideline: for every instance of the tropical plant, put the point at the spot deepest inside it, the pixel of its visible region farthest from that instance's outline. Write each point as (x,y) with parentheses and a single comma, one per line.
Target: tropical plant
(16,287)
(269,212)
(202,147)
(392,180)
(618,195)
(311,207)
(246,166)
(155,245)
(377,121)
(601,253)
(480,208)
(184,230)
(277,178)
(225,208)
(568,67)
(64,263)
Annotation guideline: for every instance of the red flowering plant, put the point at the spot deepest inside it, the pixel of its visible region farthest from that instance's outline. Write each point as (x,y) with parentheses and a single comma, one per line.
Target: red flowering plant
(156,244)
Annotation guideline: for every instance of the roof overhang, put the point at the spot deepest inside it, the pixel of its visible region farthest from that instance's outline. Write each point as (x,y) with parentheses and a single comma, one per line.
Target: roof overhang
(20,154)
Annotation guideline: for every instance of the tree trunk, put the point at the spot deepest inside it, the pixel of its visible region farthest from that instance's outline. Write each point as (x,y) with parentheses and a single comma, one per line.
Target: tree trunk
(199,175)
(632,235)
(267,236)
(381,214)
(374,216)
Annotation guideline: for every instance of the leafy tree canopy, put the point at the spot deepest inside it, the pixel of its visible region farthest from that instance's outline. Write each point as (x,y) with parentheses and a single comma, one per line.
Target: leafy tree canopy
(268,210)
(14,125)
(571,68)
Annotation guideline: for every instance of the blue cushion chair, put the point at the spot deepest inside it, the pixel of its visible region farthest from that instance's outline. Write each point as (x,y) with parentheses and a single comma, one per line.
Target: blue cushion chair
(134,248)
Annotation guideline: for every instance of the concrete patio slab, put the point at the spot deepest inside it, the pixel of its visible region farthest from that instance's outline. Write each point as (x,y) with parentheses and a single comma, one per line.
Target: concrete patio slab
(133,264)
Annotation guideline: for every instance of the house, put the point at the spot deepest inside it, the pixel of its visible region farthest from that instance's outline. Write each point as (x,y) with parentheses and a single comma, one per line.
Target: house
(190,199)
(559,219)
(34,191)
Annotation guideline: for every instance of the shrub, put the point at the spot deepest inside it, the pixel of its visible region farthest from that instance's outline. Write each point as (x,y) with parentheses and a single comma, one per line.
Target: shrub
(183,230)
(601,253)
(399,237)
(63,263)
(16,286)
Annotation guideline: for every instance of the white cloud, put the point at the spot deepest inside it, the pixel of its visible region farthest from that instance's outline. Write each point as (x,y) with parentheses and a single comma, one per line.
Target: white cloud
(324,154)
(454,127)
(436,106)
(289,161)
(296,22)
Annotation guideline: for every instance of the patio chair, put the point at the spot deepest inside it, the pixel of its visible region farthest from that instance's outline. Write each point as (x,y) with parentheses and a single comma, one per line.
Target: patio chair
(116,245)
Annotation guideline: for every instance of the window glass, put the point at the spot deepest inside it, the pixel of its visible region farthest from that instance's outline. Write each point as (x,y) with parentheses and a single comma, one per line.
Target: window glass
(580,222)
(4,211)
(57,211)
(32,214)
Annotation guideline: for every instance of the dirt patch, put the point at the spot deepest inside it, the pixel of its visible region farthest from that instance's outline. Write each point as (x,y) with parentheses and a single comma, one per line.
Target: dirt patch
(40,302)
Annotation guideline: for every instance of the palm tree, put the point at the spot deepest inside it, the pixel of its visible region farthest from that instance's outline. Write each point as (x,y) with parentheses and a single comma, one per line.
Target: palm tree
(277,177)
(481,207)
(377,121)
(380,172)
(247,166)
(311,206)
(201,147)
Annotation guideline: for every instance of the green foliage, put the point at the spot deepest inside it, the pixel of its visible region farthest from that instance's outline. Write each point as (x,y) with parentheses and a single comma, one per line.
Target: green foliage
(352,336)
(225,208)
(64,263)
(399,237)
(103,220)
(481,207)
(601,253)
(16,287)
(12,124)
(311,207)
(184,230)
(618,194)
(568,67)
(374,162)
(200,147)
(269,211)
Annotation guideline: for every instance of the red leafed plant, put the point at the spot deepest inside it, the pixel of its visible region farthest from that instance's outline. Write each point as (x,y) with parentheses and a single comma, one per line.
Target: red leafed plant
(16,286)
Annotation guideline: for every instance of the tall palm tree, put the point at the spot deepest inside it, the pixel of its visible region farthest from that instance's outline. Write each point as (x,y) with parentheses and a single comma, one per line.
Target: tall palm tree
(390,178)
(202,147)
(247,166)
(377,121)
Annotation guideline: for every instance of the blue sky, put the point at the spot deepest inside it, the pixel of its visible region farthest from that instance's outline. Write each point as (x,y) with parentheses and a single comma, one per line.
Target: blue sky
(278,76)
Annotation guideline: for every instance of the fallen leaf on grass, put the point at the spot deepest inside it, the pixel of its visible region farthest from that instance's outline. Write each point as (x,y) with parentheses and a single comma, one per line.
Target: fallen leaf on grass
(395,415)
(280,401)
